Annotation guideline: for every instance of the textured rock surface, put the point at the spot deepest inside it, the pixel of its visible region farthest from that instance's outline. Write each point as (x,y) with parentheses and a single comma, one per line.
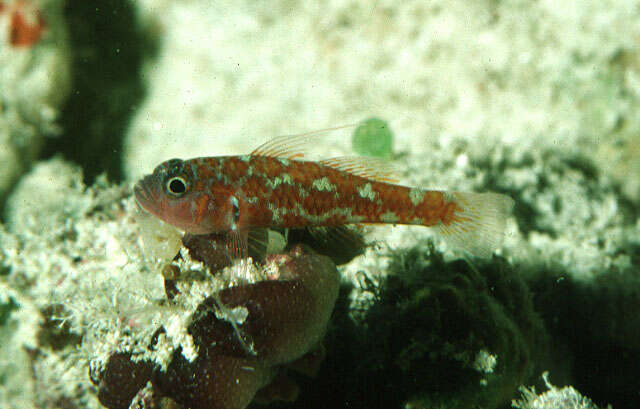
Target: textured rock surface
(34,81)
(554,398)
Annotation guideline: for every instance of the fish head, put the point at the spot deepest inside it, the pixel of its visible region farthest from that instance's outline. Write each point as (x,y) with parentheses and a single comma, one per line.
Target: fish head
(169,193)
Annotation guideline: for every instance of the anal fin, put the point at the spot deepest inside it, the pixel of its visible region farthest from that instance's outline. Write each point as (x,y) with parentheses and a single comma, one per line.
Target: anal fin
(340,243)
(237,244)
(257,243)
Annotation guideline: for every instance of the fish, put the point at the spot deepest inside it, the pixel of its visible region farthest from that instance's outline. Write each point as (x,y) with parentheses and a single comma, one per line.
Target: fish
(275,187)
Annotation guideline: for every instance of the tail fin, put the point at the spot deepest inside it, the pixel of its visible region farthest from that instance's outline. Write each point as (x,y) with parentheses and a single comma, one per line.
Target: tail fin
(478,228)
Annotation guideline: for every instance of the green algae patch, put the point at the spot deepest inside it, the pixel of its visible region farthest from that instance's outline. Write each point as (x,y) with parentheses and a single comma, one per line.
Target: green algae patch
(373,137)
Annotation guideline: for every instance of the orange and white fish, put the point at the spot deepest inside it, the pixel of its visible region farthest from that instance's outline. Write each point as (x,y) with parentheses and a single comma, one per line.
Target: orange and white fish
(274,188)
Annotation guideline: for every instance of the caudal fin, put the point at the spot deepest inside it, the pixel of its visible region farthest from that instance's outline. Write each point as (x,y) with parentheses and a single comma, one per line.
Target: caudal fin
(479,227)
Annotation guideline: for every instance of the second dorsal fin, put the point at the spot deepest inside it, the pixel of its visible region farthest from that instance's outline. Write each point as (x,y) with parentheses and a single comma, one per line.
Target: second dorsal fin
(292,146)
(366,167)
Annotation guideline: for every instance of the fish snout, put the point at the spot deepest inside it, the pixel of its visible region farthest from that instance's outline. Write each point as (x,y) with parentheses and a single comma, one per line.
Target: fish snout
(144,193)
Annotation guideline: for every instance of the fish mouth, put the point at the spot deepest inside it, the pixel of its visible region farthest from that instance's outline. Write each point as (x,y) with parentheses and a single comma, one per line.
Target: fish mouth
(144,196)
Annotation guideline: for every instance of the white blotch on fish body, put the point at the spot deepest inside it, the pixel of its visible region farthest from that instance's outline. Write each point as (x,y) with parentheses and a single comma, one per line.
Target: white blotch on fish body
(276,213)
(273,183)
(302,192)
(449,197)
(389,217)
(366,192)
(298,210)
(323,184)
(416,195)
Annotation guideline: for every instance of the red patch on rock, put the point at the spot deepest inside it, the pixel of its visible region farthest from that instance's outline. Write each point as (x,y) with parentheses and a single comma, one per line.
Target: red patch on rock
(26,24)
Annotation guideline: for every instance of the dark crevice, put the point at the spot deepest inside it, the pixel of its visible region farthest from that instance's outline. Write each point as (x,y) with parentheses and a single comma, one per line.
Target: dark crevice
(108,51)
(598,324)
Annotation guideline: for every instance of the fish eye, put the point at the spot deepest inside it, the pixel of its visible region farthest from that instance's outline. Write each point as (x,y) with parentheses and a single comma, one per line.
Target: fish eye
(177,186)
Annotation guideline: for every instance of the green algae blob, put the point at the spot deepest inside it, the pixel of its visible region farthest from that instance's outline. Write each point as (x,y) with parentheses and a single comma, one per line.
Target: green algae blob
(373,137)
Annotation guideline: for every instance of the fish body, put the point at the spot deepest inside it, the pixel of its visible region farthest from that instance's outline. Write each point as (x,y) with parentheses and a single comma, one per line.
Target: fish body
(273,188)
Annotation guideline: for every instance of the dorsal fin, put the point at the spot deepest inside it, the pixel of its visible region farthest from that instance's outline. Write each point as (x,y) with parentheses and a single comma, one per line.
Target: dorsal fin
(292,146)
(366,167)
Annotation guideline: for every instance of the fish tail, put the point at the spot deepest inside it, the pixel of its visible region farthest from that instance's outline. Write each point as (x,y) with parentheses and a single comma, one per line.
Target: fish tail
(478,224)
